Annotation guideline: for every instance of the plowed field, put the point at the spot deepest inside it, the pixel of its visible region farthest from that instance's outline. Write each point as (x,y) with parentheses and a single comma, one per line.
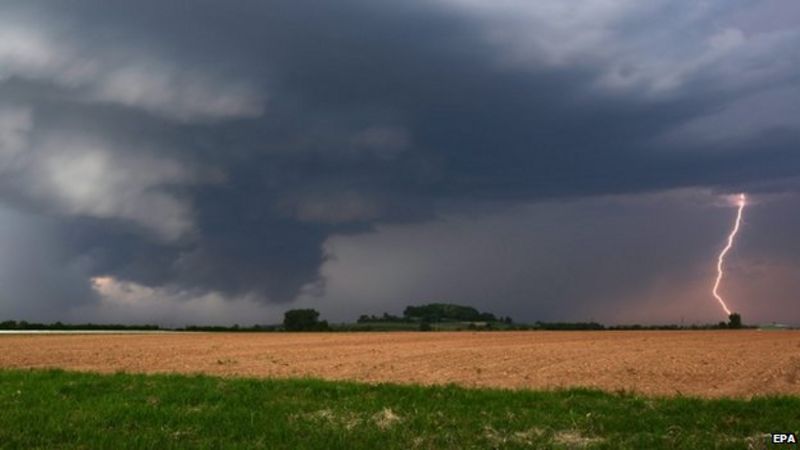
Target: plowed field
(705,363)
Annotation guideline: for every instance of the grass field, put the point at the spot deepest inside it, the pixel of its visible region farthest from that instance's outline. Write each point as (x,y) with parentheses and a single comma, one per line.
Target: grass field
(57,409)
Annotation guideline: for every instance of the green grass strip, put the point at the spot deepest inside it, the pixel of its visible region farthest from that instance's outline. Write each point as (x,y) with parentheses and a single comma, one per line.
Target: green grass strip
(57,409)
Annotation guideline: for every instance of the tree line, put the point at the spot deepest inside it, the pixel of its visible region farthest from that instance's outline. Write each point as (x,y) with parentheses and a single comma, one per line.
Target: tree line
(421,316)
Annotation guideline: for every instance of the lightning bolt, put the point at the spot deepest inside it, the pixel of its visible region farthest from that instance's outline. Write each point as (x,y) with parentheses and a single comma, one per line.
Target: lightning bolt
(721,258)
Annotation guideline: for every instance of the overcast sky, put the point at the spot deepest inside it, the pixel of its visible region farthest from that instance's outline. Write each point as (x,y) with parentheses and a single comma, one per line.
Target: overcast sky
(222,162)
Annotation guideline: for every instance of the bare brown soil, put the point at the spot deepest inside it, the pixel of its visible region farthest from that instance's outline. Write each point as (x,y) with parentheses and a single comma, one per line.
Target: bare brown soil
(706,363)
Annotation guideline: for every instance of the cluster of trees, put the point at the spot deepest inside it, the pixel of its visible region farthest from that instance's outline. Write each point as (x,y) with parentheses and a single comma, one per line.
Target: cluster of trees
(443,312)
(434,313)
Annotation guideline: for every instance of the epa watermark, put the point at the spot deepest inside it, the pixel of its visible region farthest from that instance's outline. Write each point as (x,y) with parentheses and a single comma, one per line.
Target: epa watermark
(783,438)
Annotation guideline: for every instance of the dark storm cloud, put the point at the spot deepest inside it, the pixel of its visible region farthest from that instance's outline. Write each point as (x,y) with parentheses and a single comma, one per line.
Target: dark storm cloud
(211,146)
(40,280)
(596,258)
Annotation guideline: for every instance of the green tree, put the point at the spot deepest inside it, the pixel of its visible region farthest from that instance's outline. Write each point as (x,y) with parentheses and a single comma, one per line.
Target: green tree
(735,321)
(303,320)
